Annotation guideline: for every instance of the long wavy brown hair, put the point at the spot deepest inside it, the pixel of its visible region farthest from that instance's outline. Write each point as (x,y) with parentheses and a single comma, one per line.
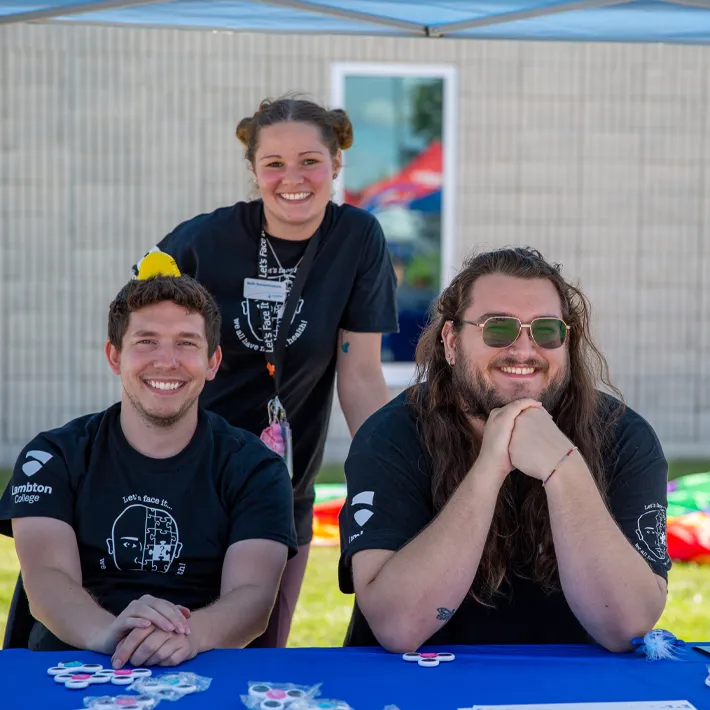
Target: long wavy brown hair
(520,538)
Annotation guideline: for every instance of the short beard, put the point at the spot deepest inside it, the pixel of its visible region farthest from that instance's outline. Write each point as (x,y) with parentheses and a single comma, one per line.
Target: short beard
(480,399)
(156,421)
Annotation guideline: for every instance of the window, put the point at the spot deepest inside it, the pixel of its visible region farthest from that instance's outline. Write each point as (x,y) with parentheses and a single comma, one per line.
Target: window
(401,169)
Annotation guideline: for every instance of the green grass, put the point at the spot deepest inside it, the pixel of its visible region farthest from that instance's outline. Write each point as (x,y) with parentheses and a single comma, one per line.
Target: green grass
(323,612)
(687,612)
(9,567)
(682,467)
(331,473)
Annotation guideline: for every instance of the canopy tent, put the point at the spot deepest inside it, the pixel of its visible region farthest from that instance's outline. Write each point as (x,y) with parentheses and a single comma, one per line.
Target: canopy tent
(675,21)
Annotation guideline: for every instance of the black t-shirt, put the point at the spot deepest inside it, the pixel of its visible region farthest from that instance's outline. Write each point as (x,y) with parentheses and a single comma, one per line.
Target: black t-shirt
(152,526)
(351,285)
(389,502)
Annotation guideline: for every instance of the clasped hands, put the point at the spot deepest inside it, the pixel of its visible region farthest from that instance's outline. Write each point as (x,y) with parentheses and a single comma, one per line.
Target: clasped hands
(151,631)
(522,435)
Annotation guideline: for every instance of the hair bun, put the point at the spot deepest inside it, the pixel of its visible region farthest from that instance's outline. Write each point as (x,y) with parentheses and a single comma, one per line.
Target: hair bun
(342,127)
(244,130)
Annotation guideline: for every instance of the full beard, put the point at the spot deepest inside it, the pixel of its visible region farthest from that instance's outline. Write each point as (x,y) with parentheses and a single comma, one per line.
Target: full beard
(480,398)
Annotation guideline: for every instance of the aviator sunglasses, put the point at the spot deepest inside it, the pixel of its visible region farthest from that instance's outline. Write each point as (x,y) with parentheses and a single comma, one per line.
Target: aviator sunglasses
(503,331)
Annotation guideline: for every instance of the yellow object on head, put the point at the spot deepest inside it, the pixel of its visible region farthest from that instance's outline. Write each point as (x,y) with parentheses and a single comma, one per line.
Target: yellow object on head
(157,263)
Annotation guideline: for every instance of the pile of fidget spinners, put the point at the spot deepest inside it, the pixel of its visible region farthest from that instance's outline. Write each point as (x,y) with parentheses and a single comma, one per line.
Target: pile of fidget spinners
(278,696)
(151,689)
(428,660)
(76,675)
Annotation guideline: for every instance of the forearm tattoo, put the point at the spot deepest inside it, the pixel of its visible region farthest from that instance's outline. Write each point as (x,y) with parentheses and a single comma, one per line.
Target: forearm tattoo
(444,614)
(344,344)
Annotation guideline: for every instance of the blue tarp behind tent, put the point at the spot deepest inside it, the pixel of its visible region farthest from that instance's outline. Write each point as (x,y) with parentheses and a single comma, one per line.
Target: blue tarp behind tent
(677,21)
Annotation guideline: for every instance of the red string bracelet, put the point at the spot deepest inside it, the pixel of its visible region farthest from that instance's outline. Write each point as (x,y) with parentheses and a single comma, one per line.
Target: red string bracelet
(559,463)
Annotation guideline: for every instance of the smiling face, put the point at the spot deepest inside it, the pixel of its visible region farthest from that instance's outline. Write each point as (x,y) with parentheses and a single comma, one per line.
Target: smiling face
(294,171)
(163,362)
(488,378)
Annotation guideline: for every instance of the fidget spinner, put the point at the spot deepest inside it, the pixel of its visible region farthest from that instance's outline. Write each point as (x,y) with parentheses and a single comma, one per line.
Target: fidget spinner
(167,685)
(122,702)
(76,675)
(428,660)
(275,698)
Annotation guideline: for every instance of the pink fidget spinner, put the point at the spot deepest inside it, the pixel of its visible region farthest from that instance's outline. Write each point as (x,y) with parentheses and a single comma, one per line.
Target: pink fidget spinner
(428,660)
(76,675)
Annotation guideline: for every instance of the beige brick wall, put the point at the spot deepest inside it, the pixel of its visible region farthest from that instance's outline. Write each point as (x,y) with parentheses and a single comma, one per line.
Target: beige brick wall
(594,153)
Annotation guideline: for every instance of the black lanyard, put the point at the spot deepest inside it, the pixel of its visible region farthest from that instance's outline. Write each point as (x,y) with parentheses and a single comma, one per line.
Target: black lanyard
(275,344)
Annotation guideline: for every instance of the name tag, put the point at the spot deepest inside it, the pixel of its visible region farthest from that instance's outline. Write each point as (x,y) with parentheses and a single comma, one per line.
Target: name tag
(265,290)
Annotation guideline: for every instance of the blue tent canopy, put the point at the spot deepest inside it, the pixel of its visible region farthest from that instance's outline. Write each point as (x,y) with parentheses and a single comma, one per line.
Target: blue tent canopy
(675,21)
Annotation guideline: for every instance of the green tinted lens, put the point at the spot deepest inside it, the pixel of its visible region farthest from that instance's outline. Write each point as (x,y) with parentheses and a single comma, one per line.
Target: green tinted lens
(500,332)
(549,333)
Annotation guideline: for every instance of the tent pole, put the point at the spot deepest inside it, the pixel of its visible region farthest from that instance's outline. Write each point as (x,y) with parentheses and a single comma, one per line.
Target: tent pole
(704,4)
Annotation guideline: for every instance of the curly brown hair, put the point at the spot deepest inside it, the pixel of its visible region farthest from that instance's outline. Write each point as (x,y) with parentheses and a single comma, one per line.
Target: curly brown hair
(183,290)
(520,537)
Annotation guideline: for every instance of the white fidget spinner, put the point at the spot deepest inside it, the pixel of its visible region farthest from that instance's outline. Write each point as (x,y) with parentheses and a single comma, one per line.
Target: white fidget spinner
(122,702)
(428,660)
(167,685)
(276,699)
(74,667)
(76,675)
(273,697)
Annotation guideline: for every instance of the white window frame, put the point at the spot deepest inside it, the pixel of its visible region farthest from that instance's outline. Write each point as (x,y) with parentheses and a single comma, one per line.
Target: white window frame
(401,374)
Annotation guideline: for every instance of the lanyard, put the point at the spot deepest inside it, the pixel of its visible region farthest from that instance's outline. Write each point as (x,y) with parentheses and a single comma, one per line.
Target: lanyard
(275,336)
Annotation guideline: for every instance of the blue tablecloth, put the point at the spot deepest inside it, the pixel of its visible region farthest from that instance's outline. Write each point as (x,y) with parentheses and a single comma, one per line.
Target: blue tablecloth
(370,679)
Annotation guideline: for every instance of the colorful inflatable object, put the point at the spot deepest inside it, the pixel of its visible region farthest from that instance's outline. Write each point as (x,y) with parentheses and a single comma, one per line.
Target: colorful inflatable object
(688,526)
(687,533)
(330,498)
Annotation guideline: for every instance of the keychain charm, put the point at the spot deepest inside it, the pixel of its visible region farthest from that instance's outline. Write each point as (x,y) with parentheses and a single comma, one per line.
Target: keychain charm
(277,435)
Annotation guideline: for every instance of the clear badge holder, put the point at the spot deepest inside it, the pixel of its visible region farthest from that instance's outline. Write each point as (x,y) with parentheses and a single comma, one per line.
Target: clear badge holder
(277,436)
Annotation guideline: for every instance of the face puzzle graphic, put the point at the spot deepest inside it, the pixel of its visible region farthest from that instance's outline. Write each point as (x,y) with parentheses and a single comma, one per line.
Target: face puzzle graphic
(651,532)
(251,335)
(144,539)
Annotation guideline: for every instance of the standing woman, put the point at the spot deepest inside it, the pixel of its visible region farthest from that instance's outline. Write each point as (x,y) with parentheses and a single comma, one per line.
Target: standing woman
(305,288)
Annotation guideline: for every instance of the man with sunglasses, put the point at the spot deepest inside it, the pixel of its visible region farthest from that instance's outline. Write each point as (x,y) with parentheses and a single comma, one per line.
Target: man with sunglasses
(504,497)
